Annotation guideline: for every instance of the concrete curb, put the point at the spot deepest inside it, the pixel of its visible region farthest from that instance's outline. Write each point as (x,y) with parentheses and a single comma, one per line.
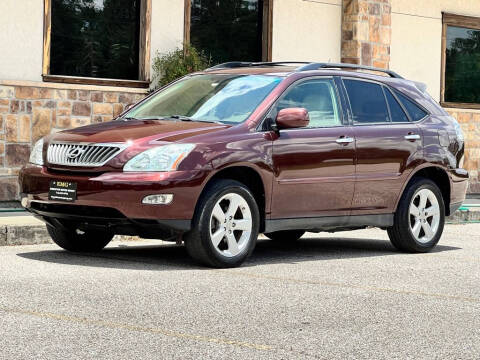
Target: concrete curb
(28,232)
(33,234)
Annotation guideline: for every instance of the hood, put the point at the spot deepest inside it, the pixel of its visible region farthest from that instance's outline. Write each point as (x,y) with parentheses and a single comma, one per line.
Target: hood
(122,131)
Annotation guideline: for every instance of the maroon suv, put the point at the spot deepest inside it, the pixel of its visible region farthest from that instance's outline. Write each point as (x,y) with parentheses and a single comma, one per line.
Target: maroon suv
(220,156)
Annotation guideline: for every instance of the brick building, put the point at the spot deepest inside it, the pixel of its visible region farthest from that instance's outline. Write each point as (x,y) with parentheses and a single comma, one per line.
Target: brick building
(70,63)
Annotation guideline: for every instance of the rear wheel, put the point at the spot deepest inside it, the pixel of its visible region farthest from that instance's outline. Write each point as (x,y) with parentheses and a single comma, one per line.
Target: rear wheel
(285,235)
(225,227)
(71,240)
(420,218)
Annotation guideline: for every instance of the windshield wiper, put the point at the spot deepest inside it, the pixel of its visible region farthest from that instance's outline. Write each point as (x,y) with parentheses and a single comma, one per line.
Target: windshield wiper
(187,118)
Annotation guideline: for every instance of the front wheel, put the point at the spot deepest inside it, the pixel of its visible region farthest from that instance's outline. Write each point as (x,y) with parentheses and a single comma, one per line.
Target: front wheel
(420,218)
(71,240)
(225,226)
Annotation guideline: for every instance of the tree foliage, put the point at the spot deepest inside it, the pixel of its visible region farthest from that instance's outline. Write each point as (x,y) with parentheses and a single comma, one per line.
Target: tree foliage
(177,63)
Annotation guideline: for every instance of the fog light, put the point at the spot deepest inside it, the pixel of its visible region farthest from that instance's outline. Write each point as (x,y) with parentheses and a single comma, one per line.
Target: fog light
(159,199)
(24,202)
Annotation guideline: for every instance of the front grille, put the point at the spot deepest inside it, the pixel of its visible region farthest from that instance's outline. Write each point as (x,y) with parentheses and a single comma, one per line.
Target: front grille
(85,155)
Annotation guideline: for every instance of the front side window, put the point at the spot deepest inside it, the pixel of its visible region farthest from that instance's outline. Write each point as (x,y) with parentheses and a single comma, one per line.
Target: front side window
(98,39)
(461,60)
(318,97)
(367,102)
(225,98)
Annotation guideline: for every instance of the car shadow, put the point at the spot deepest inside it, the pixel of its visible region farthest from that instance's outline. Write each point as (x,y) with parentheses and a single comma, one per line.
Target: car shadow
(175,257)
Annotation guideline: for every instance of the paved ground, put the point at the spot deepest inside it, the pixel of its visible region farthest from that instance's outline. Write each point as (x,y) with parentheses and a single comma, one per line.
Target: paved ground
(345,296)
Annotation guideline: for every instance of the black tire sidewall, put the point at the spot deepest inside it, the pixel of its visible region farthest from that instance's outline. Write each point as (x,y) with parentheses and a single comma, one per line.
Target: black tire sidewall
(221,188)
(404,216)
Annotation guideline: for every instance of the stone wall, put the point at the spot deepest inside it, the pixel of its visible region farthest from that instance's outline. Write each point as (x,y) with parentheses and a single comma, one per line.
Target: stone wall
(469,120)
(366,32)
(29,111)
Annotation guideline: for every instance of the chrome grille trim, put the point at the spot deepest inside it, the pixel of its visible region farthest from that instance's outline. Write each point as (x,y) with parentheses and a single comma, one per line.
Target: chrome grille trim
(90,154)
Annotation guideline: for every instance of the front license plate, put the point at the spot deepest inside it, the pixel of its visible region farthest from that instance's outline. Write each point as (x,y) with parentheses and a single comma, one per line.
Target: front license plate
(62,191)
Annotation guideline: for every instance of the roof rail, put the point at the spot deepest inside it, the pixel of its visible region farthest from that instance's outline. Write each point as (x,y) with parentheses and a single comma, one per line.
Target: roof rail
(240,64)
(317,66)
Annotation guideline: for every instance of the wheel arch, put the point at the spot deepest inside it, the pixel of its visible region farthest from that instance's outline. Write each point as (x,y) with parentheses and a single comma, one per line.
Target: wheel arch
(247,175)
(436,174)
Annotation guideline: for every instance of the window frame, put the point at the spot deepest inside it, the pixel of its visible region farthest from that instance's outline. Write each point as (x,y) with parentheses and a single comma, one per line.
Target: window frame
(267,27)
(144,53)
(261,127)
(462,21)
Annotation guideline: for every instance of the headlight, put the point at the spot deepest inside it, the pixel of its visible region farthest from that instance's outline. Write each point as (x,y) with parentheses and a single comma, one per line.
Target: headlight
(36,156)
(161,158)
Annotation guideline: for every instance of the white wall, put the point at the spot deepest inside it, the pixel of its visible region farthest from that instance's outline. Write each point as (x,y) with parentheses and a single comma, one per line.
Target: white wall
(416,47)
(21,39)
(167,26)
(307,30)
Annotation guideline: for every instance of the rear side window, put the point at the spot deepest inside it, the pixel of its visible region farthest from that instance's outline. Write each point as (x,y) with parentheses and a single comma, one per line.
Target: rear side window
(396,112)
(416,112)
(367,101)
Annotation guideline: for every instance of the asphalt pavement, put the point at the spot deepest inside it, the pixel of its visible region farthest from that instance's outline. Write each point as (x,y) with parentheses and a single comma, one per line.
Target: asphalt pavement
(346,295)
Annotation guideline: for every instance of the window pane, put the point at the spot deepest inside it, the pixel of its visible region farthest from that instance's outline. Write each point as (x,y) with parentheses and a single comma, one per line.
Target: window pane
(462,73)
(396,112)
(95,38)
(318,97)
(415,112)
(228,30)
(225,98)
(367,102)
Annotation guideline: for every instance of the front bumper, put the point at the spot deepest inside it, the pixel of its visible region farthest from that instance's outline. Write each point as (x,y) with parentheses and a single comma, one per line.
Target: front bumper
(115,198)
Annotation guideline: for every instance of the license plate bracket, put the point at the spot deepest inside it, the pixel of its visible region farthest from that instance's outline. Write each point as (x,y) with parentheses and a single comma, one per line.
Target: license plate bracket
(62,191)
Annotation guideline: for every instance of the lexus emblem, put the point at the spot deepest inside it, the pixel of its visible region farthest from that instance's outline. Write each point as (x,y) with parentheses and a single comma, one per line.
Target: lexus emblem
(74,153)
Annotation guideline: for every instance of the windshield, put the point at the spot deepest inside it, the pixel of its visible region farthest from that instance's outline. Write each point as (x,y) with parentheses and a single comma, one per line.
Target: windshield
(226,98)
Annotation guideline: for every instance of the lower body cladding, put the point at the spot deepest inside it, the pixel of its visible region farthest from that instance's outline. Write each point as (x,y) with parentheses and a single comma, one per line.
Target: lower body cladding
(114,202)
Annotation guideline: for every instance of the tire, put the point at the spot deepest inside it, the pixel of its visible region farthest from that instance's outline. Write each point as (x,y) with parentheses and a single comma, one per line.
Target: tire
(285,235)
(70,240)
(215,231)
(412,219)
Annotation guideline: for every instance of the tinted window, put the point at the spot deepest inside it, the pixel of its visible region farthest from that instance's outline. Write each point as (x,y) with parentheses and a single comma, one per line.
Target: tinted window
(367,101)
(318,97)
(95,38)
(416,112)
(462,70)
(227,30)
(396,112)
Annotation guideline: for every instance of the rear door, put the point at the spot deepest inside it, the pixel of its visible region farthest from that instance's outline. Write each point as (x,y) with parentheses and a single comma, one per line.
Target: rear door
(314,166)
(388,143)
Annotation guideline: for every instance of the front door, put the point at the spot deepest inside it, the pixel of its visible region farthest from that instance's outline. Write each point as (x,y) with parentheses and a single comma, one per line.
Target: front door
(314,166)
(388,142)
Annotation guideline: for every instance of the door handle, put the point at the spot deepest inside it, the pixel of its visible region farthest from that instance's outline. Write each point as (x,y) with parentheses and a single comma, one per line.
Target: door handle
(344,140)
(412,137)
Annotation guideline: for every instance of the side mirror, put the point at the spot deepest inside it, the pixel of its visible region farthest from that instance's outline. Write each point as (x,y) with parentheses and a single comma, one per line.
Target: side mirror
(291,118)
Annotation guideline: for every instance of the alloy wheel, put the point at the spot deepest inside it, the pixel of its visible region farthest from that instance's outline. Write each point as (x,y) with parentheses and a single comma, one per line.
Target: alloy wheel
(230,225)
(424,216)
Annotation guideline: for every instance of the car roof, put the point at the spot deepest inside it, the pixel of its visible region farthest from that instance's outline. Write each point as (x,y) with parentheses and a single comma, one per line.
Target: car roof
(288,67)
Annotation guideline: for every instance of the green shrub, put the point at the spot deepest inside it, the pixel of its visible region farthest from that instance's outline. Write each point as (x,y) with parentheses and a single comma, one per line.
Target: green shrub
(170,66)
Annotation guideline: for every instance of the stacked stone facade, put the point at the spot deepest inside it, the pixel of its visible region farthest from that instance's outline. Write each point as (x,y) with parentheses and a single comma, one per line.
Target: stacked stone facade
(366,32)
(31,111)
(470,123)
